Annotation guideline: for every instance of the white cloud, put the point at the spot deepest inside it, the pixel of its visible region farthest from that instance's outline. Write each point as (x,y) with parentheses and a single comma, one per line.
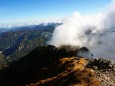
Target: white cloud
(92,31)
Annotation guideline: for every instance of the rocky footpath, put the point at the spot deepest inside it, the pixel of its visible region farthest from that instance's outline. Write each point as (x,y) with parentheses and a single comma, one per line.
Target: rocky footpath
(105,71)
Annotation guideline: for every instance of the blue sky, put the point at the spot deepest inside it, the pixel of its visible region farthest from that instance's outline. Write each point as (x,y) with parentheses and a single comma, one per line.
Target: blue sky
(19,11)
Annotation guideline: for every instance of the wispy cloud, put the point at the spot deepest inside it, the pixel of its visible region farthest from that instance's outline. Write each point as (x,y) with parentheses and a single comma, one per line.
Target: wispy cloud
(6,11)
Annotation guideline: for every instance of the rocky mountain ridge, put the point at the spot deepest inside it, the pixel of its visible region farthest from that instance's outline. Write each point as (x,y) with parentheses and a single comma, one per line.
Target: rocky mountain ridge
(51,66)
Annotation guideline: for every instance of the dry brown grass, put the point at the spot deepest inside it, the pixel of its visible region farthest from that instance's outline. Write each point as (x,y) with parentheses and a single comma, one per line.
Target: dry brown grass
(86,77)
(73,73)
(79,64)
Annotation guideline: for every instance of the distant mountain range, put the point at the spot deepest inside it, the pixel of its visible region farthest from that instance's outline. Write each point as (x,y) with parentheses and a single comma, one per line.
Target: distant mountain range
(26,26)
(18,41)
(3,30)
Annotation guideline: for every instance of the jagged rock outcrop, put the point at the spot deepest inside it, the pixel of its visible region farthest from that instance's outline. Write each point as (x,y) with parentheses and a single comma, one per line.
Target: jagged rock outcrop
(105,71)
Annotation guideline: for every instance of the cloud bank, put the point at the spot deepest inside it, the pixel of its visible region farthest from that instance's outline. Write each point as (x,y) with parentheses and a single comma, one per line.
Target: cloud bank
(95,32)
